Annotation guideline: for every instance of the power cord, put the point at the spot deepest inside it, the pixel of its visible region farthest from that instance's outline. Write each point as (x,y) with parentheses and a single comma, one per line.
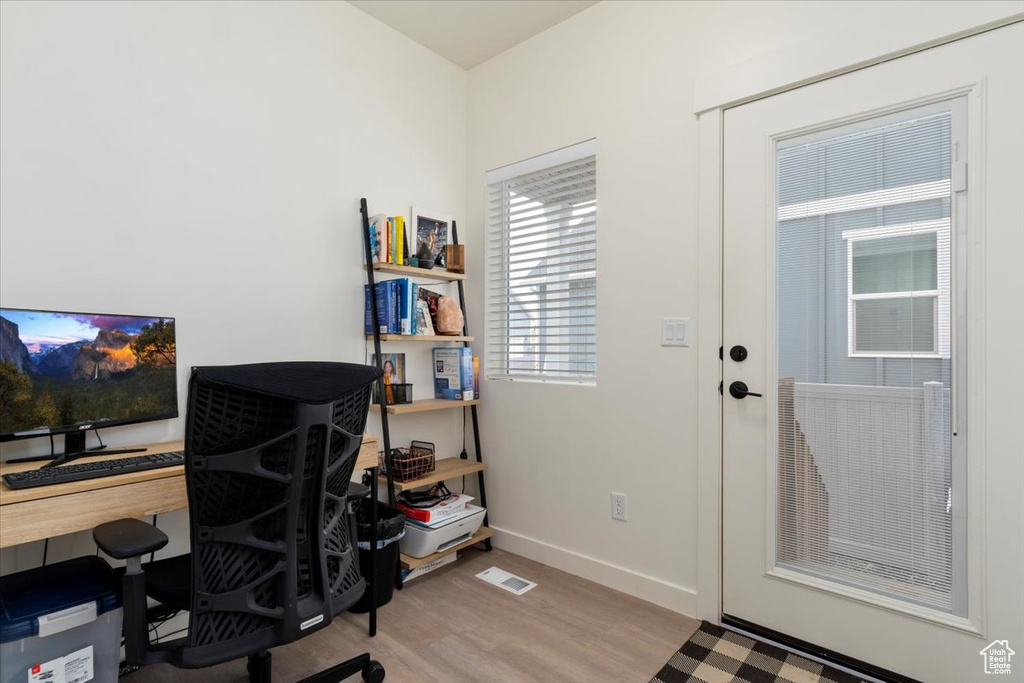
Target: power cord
(426,499)
(464,455)
(152,554)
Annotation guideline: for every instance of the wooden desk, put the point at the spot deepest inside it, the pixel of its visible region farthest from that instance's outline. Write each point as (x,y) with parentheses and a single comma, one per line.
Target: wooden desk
(48,511)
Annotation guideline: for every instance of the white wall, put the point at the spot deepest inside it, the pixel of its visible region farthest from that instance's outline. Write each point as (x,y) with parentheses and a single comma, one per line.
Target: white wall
(623,72)
(205,161)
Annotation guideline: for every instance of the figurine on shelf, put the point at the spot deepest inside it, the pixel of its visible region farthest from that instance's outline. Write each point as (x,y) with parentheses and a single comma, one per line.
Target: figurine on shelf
(425,256)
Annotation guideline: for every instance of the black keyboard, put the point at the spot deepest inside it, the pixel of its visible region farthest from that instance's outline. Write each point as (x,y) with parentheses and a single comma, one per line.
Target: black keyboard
(93,470)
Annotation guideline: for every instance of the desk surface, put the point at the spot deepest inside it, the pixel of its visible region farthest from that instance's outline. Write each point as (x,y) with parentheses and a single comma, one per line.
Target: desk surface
(47,511)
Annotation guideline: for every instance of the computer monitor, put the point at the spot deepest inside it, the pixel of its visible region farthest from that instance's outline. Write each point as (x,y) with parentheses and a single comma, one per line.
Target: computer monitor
(68,373)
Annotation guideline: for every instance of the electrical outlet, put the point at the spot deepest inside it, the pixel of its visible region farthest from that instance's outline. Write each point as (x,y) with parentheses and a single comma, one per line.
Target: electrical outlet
(619,506)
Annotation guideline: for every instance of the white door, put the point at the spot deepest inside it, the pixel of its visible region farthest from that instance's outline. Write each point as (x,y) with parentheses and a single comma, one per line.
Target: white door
(873,253)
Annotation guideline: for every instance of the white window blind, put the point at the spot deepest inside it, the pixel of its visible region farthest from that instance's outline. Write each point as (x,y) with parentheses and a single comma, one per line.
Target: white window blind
(542,268)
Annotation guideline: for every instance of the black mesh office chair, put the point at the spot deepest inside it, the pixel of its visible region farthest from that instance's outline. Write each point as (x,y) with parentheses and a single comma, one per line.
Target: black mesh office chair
(270,449)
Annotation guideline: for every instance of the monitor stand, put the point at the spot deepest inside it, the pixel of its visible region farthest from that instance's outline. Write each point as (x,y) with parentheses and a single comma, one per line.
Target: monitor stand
(74,448)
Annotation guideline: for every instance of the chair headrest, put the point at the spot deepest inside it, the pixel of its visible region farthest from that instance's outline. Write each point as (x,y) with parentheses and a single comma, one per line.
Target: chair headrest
(312,382)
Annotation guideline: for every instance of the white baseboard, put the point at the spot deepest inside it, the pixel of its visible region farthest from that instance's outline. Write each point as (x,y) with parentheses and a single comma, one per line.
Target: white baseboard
(661,593)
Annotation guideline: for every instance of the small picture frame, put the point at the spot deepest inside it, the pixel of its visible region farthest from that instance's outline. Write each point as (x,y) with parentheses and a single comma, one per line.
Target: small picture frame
(431,228)
(393,367)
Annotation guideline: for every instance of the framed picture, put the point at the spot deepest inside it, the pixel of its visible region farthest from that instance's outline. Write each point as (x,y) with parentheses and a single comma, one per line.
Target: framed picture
(432,230)
(393,366)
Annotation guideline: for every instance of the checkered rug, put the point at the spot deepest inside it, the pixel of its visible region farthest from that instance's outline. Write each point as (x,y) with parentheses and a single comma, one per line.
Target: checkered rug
(714,655)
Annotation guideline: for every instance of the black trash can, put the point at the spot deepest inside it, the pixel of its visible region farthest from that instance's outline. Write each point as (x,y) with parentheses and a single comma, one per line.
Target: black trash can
(390,528)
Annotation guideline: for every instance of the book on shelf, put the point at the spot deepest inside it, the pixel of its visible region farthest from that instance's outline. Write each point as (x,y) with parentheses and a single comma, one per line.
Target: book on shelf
(379,237)
(431,299)
(391,305)
(453,373)
(400,237)
(405,305)
(382,311)
(388,319)
(476,377)
(391,240)
(396,239)
(424,325)
(396,315)
(414,293)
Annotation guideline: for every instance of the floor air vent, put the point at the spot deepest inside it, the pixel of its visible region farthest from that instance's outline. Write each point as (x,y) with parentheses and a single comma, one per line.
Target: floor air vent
(502,579)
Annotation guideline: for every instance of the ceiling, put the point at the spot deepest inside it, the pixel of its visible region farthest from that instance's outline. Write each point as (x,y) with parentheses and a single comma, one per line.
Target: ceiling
(469,32)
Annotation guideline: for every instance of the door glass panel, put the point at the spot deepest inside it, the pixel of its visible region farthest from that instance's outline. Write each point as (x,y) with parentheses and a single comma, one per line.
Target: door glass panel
(865,475)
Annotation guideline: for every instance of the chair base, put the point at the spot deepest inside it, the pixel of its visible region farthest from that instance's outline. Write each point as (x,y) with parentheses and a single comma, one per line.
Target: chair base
(259,668)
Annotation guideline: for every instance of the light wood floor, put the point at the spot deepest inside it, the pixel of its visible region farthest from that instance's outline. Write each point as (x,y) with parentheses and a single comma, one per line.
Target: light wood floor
(450,626)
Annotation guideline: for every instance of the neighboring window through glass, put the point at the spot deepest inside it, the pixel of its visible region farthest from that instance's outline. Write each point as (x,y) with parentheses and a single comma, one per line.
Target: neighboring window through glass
(894,293)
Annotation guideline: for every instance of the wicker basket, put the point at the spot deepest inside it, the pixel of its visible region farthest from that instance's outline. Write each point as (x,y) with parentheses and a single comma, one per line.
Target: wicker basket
(409,463)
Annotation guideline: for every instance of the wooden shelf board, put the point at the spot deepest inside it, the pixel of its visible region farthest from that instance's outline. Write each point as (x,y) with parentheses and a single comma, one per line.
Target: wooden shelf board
(433,274)
(413,562)
(449,468)
(424,405)
(424,337)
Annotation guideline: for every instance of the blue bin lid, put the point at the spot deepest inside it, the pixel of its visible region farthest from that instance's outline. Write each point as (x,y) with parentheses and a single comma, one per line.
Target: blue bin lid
(28,595)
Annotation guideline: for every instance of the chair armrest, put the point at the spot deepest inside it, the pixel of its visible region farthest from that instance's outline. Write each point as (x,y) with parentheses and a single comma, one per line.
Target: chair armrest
(130,539)
(126,538)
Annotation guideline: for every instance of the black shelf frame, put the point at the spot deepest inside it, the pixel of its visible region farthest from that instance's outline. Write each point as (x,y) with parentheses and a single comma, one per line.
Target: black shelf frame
(472,408)
(385,432)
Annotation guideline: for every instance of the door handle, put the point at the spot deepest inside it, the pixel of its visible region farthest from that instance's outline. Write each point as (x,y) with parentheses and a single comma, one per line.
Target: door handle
(739,390)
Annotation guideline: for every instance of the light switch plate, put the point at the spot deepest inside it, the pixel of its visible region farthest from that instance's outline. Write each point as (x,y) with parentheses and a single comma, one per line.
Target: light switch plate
(675,331)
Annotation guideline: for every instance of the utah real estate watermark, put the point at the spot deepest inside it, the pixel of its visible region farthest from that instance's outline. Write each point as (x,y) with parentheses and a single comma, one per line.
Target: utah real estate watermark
(997,657)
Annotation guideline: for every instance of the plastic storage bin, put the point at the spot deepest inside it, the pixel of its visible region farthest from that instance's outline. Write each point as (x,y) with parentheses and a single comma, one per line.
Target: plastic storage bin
(61,622)
(420,541)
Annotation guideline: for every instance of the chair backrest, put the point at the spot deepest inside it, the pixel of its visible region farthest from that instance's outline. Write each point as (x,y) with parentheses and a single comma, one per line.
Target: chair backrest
(270,449)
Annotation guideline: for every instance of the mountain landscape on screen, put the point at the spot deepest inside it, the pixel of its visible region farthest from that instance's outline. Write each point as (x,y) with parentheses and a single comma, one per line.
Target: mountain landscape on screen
(62,369)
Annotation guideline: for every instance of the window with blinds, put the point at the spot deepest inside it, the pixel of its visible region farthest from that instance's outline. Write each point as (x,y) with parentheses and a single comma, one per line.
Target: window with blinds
(542,268)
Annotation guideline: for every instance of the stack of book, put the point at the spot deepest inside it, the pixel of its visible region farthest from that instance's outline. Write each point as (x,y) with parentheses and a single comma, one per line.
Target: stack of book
(394,306)
(389,242)
(403,307)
